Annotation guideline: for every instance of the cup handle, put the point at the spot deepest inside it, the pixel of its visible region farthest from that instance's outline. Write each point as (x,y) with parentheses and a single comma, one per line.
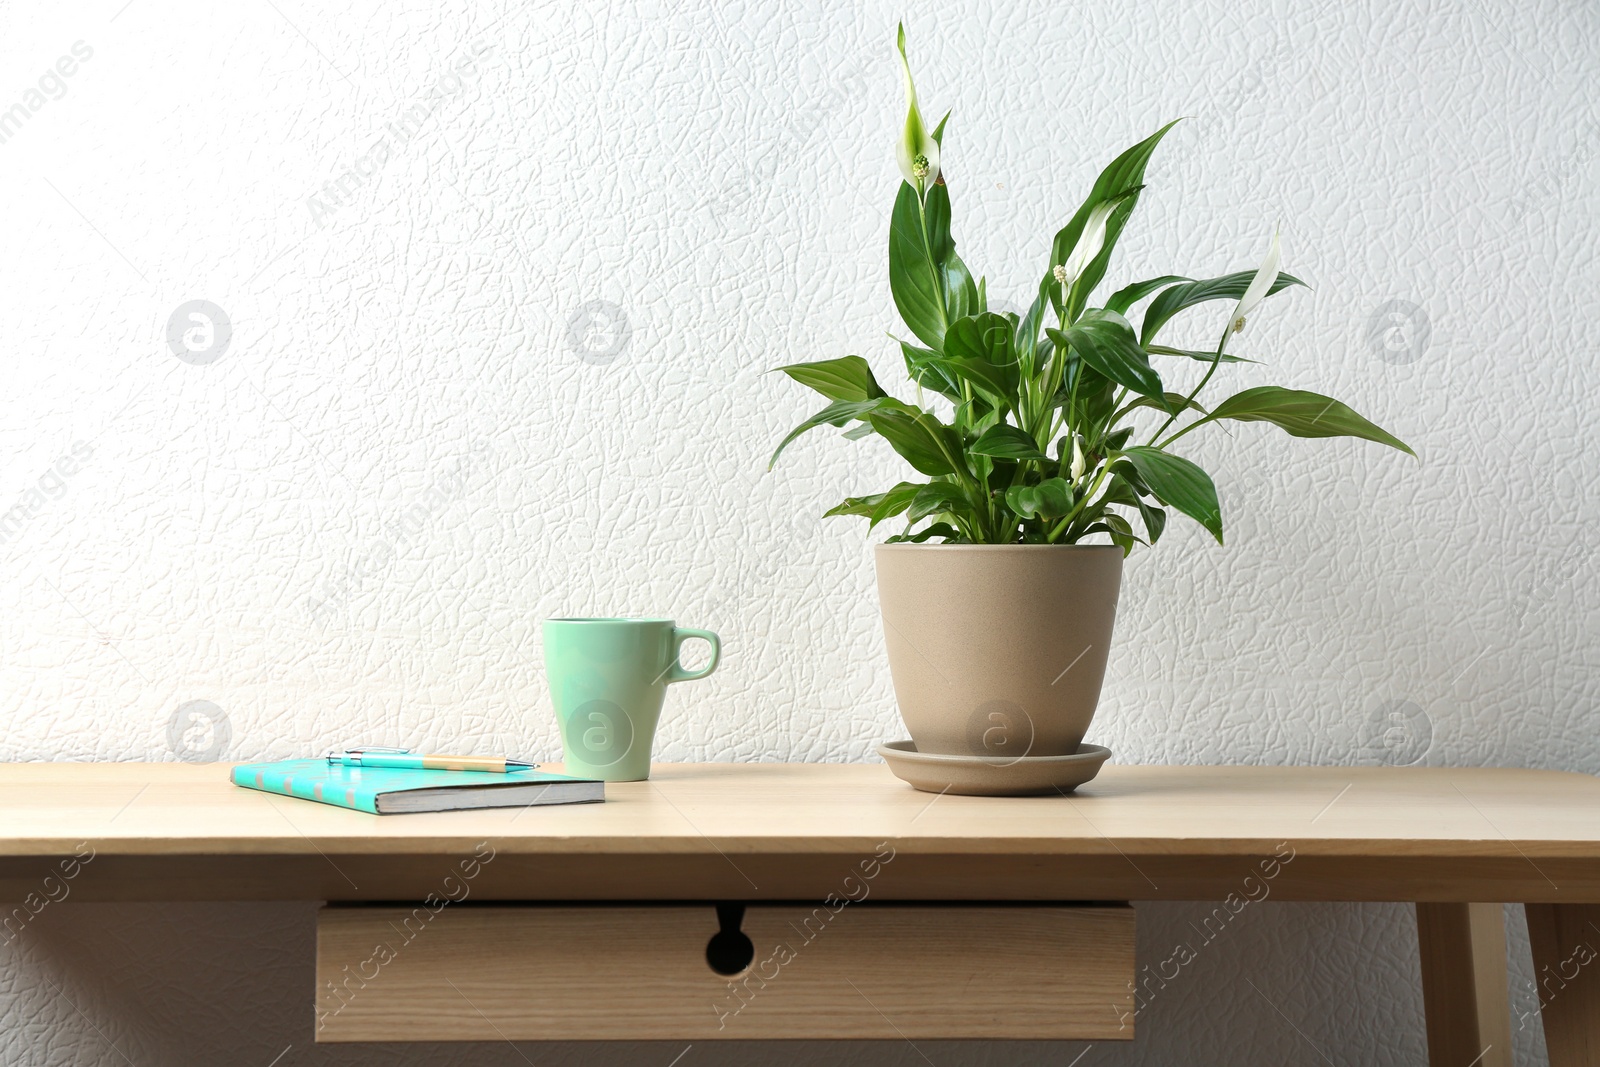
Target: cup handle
(676,673)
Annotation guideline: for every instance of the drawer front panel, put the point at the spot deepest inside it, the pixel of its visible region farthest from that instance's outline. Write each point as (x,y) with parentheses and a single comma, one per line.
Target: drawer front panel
(632,972)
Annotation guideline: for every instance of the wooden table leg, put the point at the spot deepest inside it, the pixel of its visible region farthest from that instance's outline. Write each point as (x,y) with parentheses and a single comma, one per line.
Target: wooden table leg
(1566,967)
(1464,984)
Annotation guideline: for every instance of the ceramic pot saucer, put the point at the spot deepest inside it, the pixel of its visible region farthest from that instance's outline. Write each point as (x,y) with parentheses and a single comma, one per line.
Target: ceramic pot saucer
(989,776)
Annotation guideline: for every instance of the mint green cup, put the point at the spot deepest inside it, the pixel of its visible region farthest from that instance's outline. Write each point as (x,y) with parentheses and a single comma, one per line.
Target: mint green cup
(608,678)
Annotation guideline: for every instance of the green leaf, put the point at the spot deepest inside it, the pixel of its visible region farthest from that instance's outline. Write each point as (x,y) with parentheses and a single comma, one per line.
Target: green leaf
(962,296)
(1121,178)
(878,506)
(1188,294)
(921,371)
(986,336)
(856,433)
(922,440)
(936,217)
(1129,295)
(998,382)
(1173,402)
(914,276)
(978,350)
(1124,491)
(1177,483)
(1097,395)
(1301,414)
(976,415)
(1115,441)
(1155,520)
(854,505)
(1006,442)
(835,414)
(894,502)
(1119,530)
(1203,357)
(936,497)
(1118,491)
(938,529)
(1027,339)
(847,378)
(1106,343)
(1049,499)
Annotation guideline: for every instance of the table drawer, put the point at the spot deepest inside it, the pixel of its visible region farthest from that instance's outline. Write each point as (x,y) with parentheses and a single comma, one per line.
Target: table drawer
(636,972)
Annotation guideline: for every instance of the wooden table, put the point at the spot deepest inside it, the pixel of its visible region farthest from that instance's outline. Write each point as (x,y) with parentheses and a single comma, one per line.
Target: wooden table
(1454,842)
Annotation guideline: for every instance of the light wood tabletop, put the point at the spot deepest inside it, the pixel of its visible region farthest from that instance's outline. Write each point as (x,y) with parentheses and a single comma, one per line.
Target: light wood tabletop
(782,831)
(1457,842)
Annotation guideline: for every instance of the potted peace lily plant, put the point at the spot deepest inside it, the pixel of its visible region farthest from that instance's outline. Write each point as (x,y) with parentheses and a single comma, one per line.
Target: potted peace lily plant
(1047,445)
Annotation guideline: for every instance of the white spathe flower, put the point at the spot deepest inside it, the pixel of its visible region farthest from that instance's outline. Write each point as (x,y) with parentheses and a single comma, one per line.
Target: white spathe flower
(1258,288)
(917,152)
(1090,241)
(1078,463)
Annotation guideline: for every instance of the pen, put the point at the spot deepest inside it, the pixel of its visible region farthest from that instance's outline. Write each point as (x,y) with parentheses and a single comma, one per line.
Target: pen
(404,759)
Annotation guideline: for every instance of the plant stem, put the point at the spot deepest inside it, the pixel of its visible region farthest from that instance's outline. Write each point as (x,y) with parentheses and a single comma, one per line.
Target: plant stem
(1105,427)
(1079,506)
(1180,433)
(1072,401)
(1215,360)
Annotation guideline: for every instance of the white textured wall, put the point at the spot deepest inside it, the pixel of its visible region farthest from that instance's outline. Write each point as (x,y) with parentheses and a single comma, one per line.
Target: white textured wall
(422,424)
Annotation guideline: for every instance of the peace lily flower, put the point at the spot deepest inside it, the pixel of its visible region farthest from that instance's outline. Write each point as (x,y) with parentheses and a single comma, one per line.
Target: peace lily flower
(1078,463)
(1090,242)
(1259,286)
(917,152)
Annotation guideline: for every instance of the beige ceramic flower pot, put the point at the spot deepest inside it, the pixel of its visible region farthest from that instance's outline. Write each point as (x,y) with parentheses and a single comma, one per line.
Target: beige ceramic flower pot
(998,650)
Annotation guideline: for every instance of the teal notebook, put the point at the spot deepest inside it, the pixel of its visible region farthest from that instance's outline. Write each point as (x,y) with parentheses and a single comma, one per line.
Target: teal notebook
(387,791)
